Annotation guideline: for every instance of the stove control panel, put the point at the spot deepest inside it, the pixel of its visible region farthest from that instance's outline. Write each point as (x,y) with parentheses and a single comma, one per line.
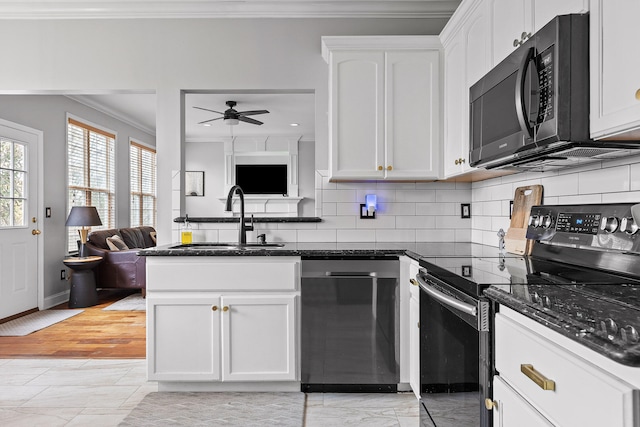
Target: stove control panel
(604,226)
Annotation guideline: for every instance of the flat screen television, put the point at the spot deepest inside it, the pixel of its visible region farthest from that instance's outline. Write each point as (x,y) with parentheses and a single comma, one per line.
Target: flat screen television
(262,179)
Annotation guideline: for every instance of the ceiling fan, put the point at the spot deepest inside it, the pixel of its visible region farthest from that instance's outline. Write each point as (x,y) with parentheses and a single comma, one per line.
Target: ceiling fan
(232,117)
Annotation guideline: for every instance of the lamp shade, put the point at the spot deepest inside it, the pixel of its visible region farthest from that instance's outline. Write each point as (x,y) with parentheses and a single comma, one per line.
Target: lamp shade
(83,216)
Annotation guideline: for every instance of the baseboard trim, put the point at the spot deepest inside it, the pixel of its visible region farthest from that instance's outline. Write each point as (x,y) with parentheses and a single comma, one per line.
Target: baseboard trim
(56,299)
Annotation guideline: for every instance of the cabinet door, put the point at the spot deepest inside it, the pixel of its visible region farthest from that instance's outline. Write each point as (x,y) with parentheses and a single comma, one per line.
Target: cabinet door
(356,122)
(456,96)
(414,338)
(511,410)
(509,19)
(615,67)
(412,134)
(545,10)
(258,338)
(187,347)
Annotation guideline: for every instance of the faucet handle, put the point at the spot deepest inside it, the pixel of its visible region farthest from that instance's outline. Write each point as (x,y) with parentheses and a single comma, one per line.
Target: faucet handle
(262,238)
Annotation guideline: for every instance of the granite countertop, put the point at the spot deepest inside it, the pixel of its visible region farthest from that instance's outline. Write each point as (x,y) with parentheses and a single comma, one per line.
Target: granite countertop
(413,250)
(579,312)
(259,219)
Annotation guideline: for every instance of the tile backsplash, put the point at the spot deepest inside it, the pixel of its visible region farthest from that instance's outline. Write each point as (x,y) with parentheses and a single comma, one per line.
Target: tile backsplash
(616,181)
(407,212)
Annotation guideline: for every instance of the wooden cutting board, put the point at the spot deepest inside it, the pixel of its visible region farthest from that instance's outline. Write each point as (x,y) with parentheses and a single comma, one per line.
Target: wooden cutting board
(515,241)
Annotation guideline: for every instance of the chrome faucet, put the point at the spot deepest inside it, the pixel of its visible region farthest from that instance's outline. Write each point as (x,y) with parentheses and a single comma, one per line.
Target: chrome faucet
(242,228)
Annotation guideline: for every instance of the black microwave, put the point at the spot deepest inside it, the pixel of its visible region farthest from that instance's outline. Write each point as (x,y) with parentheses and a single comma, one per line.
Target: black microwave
(535,103)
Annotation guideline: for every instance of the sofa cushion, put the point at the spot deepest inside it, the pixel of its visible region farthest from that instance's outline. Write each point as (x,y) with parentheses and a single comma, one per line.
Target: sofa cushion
(116,243)
(98,238)
(153,237)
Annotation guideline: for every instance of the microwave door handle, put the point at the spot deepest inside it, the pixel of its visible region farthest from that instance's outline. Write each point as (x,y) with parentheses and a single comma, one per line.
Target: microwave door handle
(521,109)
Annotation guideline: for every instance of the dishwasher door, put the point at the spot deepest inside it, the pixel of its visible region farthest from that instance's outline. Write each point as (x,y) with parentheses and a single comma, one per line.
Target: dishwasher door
(350,326)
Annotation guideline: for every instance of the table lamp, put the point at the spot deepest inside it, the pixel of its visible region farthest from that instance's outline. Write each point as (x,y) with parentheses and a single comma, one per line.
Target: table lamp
(83,216)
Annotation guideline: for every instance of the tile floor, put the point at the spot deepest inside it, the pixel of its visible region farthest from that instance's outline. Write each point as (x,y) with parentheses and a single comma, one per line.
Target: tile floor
(81,392)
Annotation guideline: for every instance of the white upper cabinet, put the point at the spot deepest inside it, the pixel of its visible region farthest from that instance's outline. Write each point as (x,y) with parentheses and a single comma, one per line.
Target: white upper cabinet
(513,21)
(615,68)
(384,107)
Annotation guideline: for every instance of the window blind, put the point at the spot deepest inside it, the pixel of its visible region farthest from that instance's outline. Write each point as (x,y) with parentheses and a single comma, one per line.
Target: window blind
(91,173)
(142,161)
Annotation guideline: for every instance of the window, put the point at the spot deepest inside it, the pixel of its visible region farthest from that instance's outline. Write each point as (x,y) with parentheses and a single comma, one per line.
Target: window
(91,172)
(142,168)
(13,181)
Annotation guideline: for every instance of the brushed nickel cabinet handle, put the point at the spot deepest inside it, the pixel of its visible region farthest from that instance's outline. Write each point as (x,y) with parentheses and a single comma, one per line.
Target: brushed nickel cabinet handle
(535,376)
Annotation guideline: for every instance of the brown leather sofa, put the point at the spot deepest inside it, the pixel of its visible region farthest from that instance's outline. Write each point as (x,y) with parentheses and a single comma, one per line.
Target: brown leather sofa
(123,268)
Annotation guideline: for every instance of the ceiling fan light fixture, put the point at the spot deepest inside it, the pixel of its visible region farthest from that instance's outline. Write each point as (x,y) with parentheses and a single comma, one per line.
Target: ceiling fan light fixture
(231,122)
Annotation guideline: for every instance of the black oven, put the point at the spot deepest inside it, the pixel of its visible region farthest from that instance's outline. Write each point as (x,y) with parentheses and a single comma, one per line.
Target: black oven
(455,354)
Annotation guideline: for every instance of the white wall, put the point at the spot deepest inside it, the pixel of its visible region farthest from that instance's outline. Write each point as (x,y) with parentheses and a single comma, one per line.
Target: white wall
(614,181)
(48,114)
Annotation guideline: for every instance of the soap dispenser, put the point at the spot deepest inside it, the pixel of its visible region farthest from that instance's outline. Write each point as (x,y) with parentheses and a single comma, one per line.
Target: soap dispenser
(186,236)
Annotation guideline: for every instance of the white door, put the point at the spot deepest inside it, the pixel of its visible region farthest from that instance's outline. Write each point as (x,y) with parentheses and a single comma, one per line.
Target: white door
(19,218)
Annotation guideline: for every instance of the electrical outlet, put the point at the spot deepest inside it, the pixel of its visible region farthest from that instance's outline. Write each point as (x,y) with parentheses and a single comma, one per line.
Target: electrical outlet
(63,274)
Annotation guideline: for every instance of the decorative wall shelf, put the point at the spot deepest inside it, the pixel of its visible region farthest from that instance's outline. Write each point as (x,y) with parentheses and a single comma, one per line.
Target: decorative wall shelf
(266,205)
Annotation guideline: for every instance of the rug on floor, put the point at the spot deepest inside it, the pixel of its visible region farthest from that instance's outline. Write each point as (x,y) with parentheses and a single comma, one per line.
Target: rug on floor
(34,322)
(133,302)
(218,409)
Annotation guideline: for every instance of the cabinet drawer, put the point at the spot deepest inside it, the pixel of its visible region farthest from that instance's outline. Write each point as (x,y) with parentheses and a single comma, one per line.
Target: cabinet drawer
(583,394)
(222,274)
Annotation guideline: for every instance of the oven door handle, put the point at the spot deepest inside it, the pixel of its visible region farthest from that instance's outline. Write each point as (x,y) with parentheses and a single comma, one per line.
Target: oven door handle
(446,299)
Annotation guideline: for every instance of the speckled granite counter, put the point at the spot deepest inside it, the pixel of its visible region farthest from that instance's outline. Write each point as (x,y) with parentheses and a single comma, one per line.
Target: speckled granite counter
(598,316)
(413,250)
(236,219)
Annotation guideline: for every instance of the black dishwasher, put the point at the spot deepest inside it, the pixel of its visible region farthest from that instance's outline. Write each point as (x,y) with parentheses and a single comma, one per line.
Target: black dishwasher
(350,326)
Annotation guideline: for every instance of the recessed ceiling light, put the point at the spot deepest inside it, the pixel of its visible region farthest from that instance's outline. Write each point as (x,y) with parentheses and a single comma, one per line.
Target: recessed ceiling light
(294,124)
(206,124)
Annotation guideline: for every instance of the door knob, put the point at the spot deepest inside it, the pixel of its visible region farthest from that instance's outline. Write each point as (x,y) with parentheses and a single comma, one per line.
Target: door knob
(35,232)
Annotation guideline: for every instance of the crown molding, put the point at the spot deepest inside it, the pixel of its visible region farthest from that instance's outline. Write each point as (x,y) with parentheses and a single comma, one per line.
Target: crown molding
(112,113)
(149,9)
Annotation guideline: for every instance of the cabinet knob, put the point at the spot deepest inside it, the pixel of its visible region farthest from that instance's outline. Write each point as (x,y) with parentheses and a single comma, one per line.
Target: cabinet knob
(457,161)
(225,308)
(516,43)
(214,308)
(414,282)
(389,168)
(490,404)
(638,94)
(461,161)
(380,168)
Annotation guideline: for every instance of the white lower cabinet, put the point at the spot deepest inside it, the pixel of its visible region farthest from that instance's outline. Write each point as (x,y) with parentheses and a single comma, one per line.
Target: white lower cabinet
(220,320)
(414,345)
(222,338)
(540,375)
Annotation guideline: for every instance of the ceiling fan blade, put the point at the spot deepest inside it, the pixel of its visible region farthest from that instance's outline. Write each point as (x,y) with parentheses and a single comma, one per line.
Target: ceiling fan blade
(210,120)
(249,120)
(206,109)
(252,113)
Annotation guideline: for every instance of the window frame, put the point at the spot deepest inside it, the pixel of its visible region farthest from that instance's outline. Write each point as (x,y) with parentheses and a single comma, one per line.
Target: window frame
(141,195)
(111,220)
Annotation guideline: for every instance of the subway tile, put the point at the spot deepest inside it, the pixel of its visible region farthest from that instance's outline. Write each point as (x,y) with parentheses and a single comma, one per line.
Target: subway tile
(452,222)
(481,194)
(382,196)
(335,222)
(383,185)
(550,200)
(604,180)
(586,167)
(481,222)
(463,235)
(416,222)
(347,209)
(435,185)
(418,196)
(328,209)
(345,236)
(380,221)
(463,196)
(490,208)
(318,195)
(437,208)
(300,225)
(626,197)
(396,209)
(476,236)
(580,200)
(339,196)
(282,236)
(305,236)
(498,222)
(435,235)
(364,186)
(635,176)
(396,235)
(502,192)
(506,207)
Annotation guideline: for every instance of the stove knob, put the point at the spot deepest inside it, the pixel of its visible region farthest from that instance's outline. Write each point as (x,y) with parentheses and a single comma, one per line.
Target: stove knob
(609,327)
(546,221)
(629,334)
(628,226)
(534,221)
(609,224)
(546,302)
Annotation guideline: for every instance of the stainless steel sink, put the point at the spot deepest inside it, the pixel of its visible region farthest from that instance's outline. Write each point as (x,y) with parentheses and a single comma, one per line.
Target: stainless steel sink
(228,246)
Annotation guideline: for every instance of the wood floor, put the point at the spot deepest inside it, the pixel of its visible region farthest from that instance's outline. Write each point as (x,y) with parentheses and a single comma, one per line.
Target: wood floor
(93,333)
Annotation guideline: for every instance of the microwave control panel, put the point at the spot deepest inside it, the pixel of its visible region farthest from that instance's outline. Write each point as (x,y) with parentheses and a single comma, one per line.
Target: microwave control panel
(545,66)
